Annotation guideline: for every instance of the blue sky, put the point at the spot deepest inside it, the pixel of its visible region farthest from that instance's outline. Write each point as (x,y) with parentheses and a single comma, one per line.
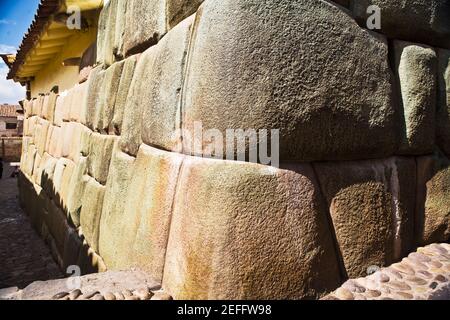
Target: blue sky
(15,18)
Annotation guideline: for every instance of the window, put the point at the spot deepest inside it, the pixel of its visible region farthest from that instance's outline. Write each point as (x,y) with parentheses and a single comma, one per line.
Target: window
(11,126)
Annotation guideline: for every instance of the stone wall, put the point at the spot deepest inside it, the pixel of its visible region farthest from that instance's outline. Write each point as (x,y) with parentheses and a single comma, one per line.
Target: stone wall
(364,145)
(11,149)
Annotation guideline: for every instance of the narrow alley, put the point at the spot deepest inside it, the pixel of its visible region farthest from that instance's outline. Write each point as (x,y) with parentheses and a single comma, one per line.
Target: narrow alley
(24,257)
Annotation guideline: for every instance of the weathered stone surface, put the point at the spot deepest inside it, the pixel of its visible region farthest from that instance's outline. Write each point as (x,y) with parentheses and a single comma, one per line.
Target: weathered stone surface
(28,162)
(91,212)
(91,103)
(66,183)
(28,108)
(99,158)
(137,237)
(75,193)
(37,106)
(424,21)
(102,32)
(85,141)
(54,149)
(79,95)
(116,196)
(75,148)
(145,25)
(262,228)
(131,138)
(46,180)
(443,111)
(108,96)
(59,110)
(178,10)
(48,141)
(39,175)
(372,209)
(67,98)
(28,126)
(161,116)
(41,135)
(416,67)
(58,178)
(433,199)
(67,138)
(122,92)
(36,164)
(121,14)
(329,76)
(48,109)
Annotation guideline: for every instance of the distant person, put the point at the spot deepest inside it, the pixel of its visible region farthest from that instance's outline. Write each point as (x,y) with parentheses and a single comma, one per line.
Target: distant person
(1,168)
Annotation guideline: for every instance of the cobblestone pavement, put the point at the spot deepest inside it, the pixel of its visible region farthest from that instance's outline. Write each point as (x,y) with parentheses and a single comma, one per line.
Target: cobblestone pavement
(111,285)
(423,275)
(24,257)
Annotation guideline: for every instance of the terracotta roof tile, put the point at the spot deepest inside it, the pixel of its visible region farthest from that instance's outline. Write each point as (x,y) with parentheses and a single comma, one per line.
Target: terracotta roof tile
(45,10)
(7,110)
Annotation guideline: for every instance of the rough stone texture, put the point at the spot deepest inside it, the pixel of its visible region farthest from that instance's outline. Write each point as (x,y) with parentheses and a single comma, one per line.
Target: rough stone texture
(138,236)
(108,96)
(99,158)
(75,149)
(41,135)
(58,117)
(54,142)
(178,10)
(119,28)
(66,183)
(79,95)
(48,109)
(105,24)
(91,212)
(91,104)
(116,197)
(424,21)
(433,199)
(67,138)
(423,275)
(416,67)
(372,209)
(145,25)
(304,90)
(161,120)
(122,92)
(131,138)
(76,189)
(260,230)
(443,112)
(134,281)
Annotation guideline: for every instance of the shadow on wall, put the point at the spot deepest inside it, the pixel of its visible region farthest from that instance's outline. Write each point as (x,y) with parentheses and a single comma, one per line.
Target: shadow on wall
(67,246)
(433,199)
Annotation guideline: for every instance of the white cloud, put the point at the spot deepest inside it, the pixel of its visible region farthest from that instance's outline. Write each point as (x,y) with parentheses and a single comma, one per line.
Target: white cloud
(10,92)
(4,48)
(11,22)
